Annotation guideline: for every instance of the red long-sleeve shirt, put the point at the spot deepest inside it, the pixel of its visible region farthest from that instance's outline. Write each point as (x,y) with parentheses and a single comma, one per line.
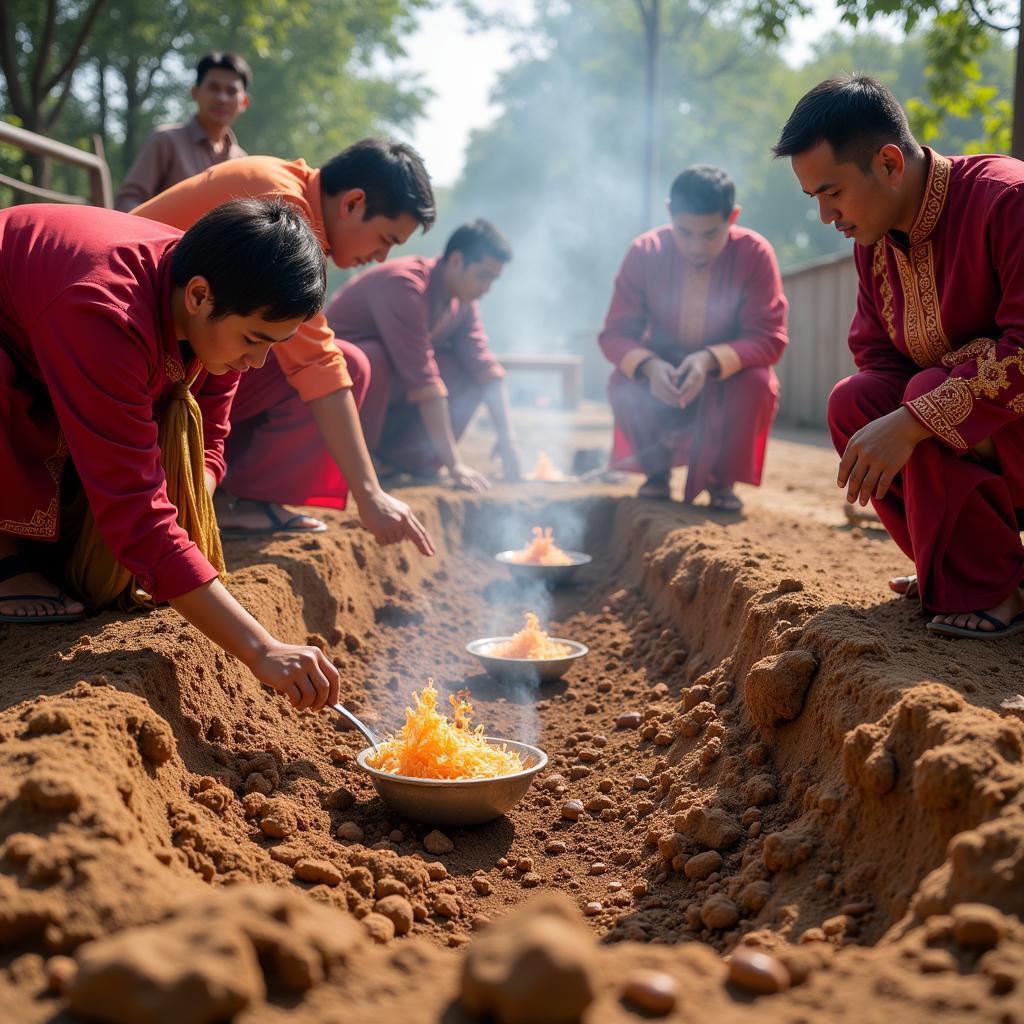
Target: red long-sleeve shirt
(88,359)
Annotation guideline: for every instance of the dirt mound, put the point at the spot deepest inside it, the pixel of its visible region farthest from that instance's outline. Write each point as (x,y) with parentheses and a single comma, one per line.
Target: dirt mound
(759,754)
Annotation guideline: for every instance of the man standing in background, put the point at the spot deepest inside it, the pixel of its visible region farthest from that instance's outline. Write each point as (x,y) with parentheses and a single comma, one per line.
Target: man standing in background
(177,151)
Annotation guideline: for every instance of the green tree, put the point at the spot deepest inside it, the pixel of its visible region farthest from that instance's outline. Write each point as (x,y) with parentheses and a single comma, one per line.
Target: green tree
(960,34)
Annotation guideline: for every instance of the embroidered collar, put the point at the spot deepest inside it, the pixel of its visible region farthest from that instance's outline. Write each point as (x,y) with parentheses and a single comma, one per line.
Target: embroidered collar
(936,192)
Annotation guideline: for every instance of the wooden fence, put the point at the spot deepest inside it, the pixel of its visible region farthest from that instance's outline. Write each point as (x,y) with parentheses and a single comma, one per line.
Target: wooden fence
(822,296)
(94,164)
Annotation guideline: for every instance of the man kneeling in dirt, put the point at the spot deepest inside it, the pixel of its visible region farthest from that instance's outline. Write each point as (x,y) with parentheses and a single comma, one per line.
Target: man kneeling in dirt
(930,427)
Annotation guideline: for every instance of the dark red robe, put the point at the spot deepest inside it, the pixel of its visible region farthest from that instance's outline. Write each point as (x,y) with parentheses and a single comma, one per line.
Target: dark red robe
(664,306)
(88,359)
(939,329)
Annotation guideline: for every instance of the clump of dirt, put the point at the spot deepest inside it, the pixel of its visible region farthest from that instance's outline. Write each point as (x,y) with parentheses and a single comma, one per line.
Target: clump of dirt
(760,758)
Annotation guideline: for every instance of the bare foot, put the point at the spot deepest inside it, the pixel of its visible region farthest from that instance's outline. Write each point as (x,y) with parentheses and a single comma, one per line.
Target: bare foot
(905,585)
(1004,612)
(246,515)
(44,606)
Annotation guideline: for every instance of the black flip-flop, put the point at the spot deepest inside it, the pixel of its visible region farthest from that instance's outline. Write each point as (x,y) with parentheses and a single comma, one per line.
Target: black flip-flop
(277,524)
(15,565)
(1002,629)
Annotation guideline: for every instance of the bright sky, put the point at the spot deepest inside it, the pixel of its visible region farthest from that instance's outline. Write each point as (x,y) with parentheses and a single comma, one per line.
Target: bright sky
(462,68)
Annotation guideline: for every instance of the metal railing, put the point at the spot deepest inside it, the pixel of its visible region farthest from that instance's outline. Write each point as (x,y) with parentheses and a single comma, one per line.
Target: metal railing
(101,192)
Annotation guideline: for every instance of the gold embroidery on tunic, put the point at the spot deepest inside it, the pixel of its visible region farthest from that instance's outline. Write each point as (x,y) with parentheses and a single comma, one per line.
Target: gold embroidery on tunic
(944,408)
(174,369)
(879,270)
(923,333)
(922,322)
(42,524)
(936,192)
(971,350)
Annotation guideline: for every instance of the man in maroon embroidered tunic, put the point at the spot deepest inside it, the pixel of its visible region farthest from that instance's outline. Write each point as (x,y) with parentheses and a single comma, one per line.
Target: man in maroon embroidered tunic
(930,428)
(418,323)
(106,321)
(696,321)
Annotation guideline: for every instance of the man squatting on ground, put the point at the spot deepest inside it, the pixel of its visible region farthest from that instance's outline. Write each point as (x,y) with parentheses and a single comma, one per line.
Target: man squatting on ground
(696,321)
(417,323)
(930,427)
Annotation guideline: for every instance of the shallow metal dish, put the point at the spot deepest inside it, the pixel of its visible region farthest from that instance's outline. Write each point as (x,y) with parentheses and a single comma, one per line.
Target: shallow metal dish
(457,801)
(551,574)
(544,670)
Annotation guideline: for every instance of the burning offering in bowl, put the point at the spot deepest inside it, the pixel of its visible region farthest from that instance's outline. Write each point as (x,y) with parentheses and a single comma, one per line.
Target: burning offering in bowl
(530,642)
(541,550)
(545,470)
(430,746)
(530,656)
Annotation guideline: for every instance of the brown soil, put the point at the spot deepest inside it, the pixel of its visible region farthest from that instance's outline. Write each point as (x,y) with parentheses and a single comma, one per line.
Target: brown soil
(811,774)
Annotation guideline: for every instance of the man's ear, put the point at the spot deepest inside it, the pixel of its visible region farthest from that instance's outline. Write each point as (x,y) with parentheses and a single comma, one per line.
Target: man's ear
(243,103)
(891,164)
(195,93)
(198,296)
(457,261)
(351,203)
(735,215)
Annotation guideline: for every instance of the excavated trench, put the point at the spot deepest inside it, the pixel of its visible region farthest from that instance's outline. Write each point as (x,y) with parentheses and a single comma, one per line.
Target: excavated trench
(758,762)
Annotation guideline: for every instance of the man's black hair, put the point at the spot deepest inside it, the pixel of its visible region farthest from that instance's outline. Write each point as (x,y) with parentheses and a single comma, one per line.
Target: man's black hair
(226,62)
(477,240)
(855,114)
(258,256)
(701,189)
(390,173)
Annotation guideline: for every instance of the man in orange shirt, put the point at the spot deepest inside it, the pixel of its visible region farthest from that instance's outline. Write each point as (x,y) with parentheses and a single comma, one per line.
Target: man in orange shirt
(295,432)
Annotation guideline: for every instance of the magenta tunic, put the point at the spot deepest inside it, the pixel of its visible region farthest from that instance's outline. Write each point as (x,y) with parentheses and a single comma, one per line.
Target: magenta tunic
(88,358)
(663,306)
(939,329)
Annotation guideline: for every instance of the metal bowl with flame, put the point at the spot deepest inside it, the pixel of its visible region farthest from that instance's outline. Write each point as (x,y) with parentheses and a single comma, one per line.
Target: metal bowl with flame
(552,575)
(542,670)
(457,801)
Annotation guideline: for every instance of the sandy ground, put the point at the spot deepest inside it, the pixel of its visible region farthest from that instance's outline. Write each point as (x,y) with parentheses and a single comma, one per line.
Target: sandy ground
(770,753)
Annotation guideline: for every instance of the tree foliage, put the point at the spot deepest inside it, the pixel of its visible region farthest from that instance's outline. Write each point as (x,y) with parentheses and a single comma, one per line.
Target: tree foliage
(320,67)
(561,170)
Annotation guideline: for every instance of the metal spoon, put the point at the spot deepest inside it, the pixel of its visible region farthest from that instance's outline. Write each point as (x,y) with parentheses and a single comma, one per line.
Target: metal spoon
(364,729)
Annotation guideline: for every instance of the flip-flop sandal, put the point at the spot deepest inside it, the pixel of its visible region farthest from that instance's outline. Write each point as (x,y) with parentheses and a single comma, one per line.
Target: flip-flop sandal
(912,589)
(1002,629)
(731,504)
(277,525)
(15,565)
(655,491)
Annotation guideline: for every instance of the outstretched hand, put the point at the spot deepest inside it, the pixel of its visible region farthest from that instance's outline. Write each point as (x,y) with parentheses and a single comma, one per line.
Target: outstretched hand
(391,521)
(877,452)
(302,674)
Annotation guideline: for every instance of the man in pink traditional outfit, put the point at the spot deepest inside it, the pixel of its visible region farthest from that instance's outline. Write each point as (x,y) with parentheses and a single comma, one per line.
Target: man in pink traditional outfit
(417,322)
(696,322)
(930,428)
